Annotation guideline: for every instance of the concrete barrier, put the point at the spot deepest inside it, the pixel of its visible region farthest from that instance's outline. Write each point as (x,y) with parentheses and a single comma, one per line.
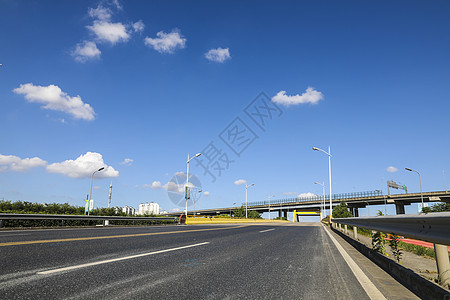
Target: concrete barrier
(211,220)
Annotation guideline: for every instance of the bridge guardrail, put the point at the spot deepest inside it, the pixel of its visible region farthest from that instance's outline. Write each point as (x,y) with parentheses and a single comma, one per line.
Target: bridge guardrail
(317,198)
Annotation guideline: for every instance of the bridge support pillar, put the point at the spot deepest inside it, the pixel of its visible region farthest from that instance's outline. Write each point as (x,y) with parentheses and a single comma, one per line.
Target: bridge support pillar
(279,213)
(399,208)
(285,214)
(443,265)
(355,212)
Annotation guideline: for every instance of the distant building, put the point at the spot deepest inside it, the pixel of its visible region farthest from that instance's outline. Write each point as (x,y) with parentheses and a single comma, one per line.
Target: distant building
(129,210)
(148,208)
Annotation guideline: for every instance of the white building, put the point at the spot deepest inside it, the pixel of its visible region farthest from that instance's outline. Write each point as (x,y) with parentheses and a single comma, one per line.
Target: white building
(148,208)
(129,210)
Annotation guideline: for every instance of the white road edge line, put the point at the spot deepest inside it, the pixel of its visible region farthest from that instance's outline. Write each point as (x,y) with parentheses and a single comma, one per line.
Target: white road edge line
(368,286)
(117,259)
(267,230)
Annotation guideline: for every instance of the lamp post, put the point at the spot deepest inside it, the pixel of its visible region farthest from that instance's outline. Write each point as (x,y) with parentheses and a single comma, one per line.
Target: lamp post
(92,179)
(384,197)
(420,182)
(368,208)
(246,188)
(329,176)
(230,208)
(268,197)
(187,179)
(323,192)
(194,203)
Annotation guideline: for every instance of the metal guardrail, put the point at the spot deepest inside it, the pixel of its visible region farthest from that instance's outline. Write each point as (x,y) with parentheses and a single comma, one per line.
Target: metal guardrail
(431,227)
(318,198)
(6,216)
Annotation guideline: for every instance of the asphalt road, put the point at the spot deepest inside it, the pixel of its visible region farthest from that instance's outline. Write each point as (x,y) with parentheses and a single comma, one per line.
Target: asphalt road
(199,262)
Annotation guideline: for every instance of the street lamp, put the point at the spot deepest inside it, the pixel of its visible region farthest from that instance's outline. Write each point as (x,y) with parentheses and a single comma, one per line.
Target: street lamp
(246,188)
(268,197)
(329,176)
(187,178)
(384,197)
(92,179)
(195,200)
(323,192)
(420,182)
(368,208)
(230,208)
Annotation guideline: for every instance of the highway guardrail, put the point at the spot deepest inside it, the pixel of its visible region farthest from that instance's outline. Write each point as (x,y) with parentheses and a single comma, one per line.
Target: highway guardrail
(10,216)
(431,227)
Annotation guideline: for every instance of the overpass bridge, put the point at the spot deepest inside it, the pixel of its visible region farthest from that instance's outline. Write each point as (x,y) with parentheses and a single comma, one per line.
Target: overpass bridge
(354,202)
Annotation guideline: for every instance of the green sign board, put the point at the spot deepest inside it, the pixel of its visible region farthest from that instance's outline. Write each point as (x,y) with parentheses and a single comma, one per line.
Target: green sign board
(187,193)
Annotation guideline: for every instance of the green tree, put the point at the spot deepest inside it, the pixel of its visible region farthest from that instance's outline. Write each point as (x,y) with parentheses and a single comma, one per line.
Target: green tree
(439,207)
(394,244)
(240,212)
(254,215)
(341,211)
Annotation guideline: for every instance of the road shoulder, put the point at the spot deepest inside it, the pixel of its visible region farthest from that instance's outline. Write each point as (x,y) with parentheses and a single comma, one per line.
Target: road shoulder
(385,283)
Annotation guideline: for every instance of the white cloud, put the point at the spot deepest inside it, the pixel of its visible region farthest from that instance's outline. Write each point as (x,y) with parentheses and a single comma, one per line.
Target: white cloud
(127,162)
(83,167)
(289,193)
(117,4)
(306,195)
(391,169)
(85,51)
(240,182)
(15,163)
(177,188)
(219,55)
(166,42)
(110,32)
(96,188)
(138,26)
(206,193)
(155,185)
(54,98)
(100,13)
(309,96)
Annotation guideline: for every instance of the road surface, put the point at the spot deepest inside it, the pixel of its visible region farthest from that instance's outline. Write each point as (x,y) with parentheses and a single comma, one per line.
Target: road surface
(190,262)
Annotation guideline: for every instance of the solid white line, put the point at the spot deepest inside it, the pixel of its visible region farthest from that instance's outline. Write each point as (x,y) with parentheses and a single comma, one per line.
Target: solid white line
(368,286)
(267,230)
(117,259)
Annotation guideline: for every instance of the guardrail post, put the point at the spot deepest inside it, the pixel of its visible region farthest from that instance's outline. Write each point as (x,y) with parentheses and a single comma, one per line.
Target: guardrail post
(443,265)
(345,229)
(355,232)
(62,222)
(1,223)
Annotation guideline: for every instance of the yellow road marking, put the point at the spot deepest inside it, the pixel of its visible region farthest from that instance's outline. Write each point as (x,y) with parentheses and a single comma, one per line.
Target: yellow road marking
(111,236)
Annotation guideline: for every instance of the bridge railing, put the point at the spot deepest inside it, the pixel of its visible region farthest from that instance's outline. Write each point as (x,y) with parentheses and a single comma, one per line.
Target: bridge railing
(317,198)
(432,227)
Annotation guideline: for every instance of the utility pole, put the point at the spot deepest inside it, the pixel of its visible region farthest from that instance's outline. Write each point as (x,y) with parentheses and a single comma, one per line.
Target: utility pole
(109,197)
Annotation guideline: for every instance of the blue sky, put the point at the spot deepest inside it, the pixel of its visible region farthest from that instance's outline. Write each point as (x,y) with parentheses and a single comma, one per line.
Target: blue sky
(85,84)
